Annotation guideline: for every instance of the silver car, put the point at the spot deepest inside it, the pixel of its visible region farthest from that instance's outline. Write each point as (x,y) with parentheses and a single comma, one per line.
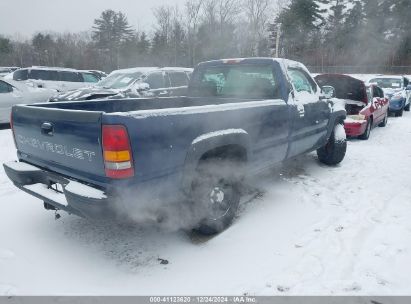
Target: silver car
(13,93)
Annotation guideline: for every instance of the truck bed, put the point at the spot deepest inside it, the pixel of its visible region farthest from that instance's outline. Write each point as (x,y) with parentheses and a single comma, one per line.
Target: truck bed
(160,130)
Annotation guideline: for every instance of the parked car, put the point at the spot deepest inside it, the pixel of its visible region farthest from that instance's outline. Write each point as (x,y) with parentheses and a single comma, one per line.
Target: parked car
(108,158)
(60,79)
(13,93)
(90,77)
(98,74)
(133,83)
(398,90)
(7,70)
(366,106)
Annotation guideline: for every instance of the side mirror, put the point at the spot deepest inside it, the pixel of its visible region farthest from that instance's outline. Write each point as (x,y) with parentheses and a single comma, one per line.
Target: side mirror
(328,91)
(408,88)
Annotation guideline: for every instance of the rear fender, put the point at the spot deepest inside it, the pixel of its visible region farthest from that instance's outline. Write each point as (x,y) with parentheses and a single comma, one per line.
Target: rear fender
(208,142)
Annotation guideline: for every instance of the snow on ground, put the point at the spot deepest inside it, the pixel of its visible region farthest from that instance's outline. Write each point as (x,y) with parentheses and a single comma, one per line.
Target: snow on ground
(311,230)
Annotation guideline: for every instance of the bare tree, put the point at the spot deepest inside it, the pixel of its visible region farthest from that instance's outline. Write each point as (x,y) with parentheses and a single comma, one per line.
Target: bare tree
(164,15)
(228,10)
(192,12)
(257,15)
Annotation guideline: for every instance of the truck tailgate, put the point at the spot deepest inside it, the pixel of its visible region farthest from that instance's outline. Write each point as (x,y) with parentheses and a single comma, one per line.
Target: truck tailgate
(64,141)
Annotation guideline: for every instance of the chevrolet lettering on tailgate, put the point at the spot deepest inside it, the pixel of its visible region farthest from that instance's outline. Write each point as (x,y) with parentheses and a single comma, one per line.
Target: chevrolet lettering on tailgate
(56,148)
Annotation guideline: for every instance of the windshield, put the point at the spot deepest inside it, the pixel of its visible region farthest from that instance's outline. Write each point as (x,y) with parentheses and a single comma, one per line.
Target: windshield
(245,81)
(119,80)
(387,83)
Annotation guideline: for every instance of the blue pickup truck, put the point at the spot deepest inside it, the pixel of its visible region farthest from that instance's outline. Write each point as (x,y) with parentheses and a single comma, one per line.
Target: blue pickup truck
(105,158)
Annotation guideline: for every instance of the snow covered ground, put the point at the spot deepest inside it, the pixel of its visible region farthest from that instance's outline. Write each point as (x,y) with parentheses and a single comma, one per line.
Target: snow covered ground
(312,230)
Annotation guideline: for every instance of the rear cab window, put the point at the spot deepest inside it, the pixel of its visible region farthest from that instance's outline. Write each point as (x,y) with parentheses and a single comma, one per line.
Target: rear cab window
(236,80)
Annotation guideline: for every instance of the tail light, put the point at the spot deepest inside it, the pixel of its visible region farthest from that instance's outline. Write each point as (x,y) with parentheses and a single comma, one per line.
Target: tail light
(118,159)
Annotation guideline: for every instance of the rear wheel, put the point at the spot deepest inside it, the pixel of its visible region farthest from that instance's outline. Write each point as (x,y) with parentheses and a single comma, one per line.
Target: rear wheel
(334,151)
(407,108)
(367,132)
(216,195)
(384,122)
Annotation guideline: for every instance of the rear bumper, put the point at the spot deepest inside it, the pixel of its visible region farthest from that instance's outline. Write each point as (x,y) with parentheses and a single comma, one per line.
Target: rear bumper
(74,197)
(355,128)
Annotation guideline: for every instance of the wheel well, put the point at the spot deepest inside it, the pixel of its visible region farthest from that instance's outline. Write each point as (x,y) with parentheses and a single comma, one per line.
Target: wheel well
(232,152)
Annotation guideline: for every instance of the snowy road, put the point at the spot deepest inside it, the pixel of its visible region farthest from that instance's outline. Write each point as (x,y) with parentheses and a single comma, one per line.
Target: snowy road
(314,230)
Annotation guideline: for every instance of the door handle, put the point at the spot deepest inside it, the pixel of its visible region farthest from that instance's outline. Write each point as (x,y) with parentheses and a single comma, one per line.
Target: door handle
(47,128)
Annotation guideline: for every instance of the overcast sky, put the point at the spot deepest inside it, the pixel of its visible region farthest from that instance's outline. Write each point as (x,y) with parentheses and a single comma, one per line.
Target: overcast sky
(29,16)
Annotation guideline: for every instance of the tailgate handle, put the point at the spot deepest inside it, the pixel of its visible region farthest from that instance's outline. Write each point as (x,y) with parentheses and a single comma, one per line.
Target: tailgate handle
(47,128)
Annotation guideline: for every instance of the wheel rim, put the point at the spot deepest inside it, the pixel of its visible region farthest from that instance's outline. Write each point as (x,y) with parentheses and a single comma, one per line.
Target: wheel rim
(219,198)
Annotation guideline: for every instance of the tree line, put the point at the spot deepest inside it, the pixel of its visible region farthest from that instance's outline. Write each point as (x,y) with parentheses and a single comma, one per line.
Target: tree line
(346,33)
(316,32)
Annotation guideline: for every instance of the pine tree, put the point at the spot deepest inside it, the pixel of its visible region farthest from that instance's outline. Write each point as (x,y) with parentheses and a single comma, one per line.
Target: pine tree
(300,25)
(335,34)
(110,31)
(400,34)
(159,49)
(143,45)
(43,45)
(5,45)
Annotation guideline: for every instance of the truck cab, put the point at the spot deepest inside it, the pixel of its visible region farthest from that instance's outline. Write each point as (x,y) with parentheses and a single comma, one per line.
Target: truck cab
(118,158)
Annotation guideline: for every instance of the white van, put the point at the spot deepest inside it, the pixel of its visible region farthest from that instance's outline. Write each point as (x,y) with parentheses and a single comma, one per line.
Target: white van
(60,79)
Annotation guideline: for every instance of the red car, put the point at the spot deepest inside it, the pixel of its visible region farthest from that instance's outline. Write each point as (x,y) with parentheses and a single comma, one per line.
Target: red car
(366,106)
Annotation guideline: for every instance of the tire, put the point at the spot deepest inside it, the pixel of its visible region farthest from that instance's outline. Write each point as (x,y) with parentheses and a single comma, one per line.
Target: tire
(399,113)
(407,108)
(216,195)
(367,132)
(384,122)
(334,151)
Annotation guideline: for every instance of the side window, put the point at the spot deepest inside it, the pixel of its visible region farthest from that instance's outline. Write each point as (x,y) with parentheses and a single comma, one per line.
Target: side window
(20,75)
(178,79)
(43,75)
(5,87)
(301,81)
(155,80)
(89,78)
(70,76)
